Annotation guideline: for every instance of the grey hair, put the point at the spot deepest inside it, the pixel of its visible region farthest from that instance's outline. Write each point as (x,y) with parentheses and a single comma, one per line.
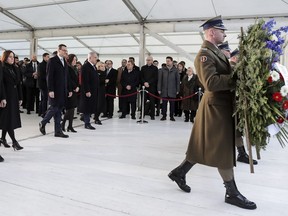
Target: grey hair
(92,53)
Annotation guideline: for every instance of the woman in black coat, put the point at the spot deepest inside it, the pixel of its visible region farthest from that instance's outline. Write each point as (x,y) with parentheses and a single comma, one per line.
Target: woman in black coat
(101,100)
(189,86)
(12,93)
(71,102)
(2,101)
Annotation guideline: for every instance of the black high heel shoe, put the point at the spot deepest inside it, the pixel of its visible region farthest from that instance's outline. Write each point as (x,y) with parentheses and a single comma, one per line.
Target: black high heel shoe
(71,129)
(4,142)
(16,146)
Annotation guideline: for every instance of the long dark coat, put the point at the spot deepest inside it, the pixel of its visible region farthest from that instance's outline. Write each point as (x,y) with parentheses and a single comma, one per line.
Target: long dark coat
(57,81)
(41,69)
(188,88)
(73,83)
(12,92)
(149,74)
(90,83)
(111,85)
(212,138)
(168,82)
(132,79)
(1,83)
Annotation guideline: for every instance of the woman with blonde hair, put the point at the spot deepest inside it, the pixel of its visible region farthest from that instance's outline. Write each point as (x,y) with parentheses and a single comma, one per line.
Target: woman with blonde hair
(101,92)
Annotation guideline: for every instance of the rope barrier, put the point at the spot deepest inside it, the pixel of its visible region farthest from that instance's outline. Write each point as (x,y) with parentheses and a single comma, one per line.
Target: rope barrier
(172,99)
(122,96)
(153,95)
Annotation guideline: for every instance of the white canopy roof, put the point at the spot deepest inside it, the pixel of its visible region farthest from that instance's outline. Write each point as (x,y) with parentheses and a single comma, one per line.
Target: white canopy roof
(114,28)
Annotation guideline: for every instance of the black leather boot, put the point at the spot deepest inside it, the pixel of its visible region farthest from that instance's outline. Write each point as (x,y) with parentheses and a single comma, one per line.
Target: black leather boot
(186,112)
(16,146)
(4,142)
(179,175)
(243,156)
(234,197)
(192,116)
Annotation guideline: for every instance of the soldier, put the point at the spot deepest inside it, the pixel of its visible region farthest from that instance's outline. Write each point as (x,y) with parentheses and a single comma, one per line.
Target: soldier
(224,47)
(242,155)
(212,138)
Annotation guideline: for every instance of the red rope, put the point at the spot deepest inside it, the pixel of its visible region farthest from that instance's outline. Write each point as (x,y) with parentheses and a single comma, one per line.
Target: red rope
(122,96)
(172,99)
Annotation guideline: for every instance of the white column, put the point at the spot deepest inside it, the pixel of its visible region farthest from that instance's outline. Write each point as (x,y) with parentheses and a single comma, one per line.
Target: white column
(33,45)
(142,46)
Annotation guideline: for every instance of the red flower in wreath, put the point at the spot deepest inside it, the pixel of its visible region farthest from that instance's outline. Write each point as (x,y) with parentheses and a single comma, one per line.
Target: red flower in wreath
(280,120)
(285,105)
(281,77)
(277,96)
(270,79)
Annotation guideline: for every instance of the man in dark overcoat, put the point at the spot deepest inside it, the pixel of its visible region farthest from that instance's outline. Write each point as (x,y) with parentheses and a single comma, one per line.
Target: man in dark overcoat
(149,79)
(129,82)
(168,87)
(58,90)
(110,81)
(89,89)
(213,134)
(42,83)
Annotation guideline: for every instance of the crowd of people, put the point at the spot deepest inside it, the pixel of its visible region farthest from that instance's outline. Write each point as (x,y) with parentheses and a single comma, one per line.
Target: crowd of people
(65,84)
(60,84)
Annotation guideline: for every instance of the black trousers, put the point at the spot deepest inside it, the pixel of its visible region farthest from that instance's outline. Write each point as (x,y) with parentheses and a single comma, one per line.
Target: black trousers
(164,107)
(32,96)
(151,108)
(109,106)
(56,113)
(126,106)
(43,102)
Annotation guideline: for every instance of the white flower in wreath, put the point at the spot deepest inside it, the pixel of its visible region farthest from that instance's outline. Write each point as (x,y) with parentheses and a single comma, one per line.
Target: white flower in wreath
(284,91)
(274,38)
(275,75)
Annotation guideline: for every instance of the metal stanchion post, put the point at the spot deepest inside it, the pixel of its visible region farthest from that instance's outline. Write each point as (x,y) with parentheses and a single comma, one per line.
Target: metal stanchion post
(199,95)
(142,109)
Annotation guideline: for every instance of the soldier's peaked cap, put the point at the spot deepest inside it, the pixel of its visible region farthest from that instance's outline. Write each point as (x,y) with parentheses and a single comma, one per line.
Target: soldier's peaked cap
(234,53)
(215,22)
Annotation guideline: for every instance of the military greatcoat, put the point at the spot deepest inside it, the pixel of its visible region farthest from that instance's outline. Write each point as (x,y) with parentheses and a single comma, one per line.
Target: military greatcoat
(212,138)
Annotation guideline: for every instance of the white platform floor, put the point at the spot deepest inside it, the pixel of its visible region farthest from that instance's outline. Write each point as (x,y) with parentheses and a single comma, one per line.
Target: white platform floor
(121,169)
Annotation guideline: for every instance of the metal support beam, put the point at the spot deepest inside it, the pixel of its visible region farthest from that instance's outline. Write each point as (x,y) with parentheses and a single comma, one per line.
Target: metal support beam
(133,10)
(138,41)
(84,44)
(142,47)
(46,50)
(33,45)
(171,45)
(16,19)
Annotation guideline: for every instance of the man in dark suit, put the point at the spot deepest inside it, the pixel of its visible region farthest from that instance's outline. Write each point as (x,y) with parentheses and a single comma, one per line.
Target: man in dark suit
(57,75)
(130,82)
(213,134)
(149,78)
(42,82)
(111,78)
(89,89)
(32,90)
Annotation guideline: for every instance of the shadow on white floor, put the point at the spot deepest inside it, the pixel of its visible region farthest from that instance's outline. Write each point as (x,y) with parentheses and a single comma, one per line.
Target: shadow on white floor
(121,169)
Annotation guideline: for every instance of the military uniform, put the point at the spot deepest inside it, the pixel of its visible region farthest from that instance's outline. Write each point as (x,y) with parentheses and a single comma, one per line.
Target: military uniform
(212,136)
(212,141)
